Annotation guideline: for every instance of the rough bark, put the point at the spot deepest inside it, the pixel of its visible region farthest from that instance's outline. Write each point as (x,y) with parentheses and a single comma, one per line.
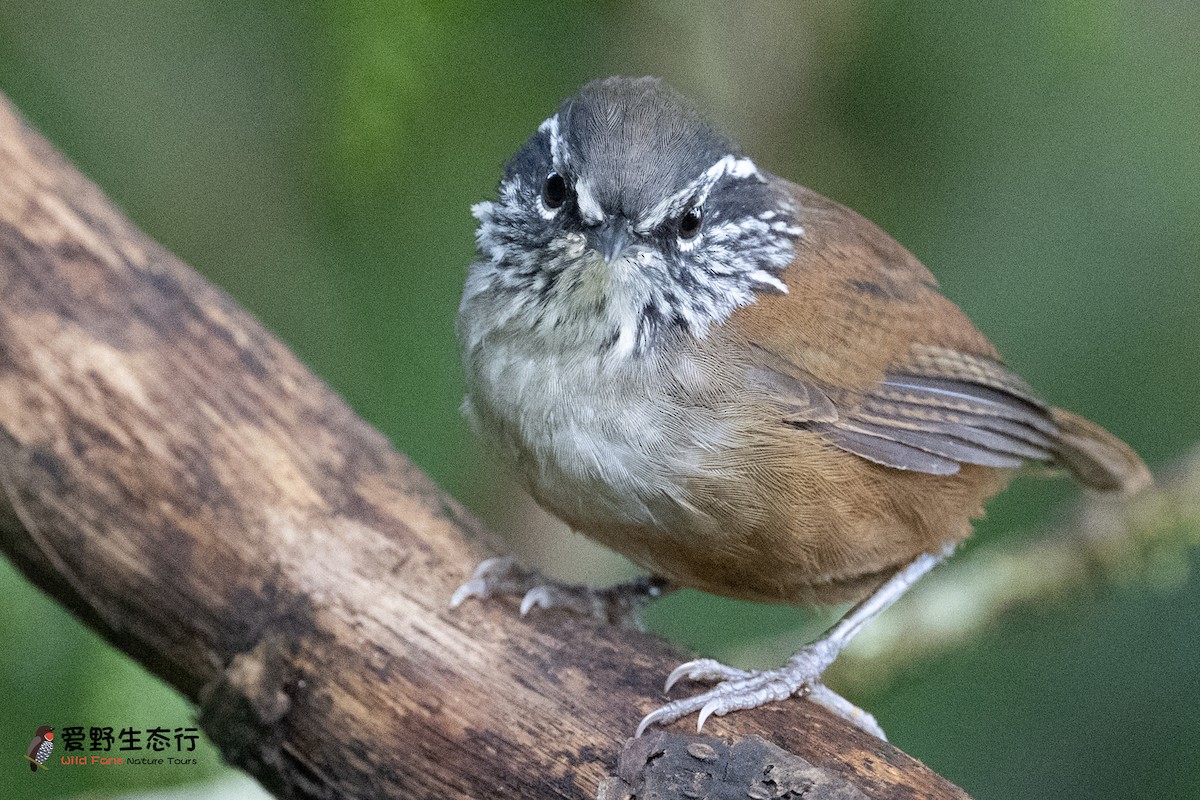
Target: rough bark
(174,476)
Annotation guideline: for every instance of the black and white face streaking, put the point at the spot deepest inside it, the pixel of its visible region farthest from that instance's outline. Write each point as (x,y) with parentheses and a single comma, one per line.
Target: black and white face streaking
(626,220)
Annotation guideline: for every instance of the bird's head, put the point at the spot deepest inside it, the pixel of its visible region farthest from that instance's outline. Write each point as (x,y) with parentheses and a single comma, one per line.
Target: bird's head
(626,217)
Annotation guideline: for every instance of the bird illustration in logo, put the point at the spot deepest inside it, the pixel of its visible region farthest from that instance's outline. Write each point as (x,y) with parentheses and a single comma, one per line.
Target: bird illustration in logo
(40,748)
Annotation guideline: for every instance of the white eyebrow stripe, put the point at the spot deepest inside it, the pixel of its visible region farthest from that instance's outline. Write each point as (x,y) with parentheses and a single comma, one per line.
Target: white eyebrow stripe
(589,207)
(558,149)
(731,165)
(734,166)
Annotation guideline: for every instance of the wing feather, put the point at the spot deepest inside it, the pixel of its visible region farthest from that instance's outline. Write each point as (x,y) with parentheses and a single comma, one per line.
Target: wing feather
(891,453)
(972,410)
(933,442)
(863,349)
(984,414)
(949,420)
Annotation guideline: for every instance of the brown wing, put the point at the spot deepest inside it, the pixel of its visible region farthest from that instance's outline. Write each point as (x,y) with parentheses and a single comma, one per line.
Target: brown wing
(990,419)
(864,350)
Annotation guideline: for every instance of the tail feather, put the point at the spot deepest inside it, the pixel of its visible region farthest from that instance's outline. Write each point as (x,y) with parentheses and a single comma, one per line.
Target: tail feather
(1096,457)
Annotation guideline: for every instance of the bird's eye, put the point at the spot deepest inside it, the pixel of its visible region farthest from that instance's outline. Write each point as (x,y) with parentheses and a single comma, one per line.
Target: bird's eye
(690,222)
(554,191)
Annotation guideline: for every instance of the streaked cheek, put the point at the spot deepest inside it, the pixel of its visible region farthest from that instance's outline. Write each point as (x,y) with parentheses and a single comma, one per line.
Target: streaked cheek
(574,244)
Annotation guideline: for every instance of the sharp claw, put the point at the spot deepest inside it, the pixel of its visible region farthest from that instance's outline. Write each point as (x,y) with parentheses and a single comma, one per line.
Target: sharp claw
(676,674)
(704,669)
(537,596)
(489,565)
(503,575)
(709,709)
(476,587)
(663,715)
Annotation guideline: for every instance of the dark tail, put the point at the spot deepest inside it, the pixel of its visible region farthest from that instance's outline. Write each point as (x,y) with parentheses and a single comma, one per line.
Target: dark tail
(1096,457)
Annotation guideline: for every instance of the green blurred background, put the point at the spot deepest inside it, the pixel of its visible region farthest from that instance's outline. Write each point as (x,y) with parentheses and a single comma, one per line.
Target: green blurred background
(318,159)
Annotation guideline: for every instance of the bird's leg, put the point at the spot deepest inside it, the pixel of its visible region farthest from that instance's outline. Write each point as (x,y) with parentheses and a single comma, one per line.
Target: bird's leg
(619,605)
(738,689)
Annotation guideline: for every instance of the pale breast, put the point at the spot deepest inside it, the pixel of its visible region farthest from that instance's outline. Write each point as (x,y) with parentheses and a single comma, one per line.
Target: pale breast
(594,440)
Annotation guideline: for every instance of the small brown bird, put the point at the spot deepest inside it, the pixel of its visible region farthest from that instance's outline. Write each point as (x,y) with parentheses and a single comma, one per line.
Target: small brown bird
(741,385)
(40,748)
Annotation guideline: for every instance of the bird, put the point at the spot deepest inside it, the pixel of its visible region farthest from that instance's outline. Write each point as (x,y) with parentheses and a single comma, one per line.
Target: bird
(744,387)
(40,748)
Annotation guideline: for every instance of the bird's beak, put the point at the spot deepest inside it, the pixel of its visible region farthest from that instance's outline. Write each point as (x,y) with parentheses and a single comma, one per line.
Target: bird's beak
(611,238)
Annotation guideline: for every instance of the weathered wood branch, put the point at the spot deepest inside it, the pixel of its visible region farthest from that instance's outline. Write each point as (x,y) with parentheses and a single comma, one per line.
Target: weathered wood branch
(174,476)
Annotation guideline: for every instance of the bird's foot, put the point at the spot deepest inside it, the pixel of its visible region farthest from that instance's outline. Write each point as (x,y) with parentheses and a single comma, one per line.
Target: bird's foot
(738,689)
(618,605)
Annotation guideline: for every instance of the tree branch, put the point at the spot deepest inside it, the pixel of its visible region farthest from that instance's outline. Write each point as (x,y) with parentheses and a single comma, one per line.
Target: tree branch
(174,476)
